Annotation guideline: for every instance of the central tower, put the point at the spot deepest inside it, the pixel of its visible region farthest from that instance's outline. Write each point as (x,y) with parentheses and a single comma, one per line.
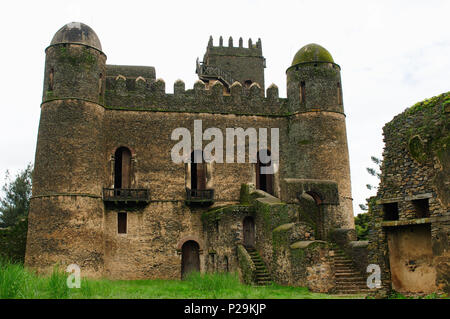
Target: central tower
(229,64)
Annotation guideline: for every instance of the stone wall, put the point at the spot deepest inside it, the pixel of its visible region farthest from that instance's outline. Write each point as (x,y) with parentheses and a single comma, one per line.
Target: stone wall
(413,194)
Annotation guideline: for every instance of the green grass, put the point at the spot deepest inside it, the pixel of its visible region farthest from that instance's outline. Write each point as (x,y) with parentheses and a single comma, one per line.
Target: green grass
(17,282)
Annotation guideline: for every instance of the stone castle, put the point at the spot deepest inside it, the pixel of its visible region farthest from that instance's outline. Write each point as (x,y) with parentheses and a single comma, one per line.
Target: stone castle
(108,197)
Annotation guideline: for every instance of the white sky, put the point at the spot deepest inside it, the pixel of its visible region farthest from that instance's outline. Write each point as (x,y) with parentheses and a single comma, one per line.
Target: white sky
(392,54)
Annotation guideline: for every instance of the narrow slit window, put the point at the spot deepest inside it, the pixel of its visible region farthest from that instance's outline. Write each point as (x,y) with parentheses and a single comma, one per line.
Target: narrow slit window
(339,93)
(302,91)
(50,80)
(122,223)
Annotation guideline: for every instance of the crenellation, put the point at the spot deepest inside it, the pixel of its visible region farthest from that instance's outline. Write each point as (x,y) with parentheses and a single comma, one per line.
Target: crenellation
(178,87)
(158,87)
(272,92)
(214,97)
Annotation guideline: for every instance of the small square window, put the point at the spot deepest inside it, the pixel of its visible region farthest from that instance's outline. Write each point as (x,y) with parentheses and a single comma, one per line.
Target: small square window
(122,223)
(390,211)
(421,208)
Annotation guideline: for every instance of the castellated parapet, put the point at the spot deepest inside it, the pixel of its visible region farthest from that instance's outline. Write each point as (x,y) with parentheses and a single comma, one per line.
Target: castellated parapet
(108,197)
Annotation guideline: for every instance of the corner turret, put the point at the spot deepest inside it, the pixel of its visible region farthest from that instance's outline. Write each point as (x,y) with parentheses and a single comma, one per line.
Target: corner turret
(314,81)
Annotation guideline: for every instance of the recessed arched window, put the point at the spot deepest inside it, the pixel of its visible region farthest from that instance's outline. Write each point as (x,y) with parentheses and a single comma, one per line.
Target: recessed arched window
(247,83)
(264,178)
(122,168)
(198,171)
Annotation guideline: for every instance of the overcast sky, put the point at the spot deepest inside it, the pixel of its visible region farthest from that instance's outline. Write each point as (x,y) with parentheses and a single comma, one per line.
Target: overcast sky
(392,54)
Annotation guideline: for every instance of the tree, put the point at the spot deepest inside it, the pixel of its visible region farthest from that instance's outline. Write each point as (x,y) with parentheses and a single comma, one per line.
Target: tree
(362,226)
(16,201)
(374,172)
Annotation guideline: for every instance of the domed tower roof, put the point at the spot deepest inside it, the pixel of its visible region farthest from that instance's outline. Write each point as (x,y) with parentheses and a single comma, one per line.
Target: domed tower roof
(312,53)
(77,32)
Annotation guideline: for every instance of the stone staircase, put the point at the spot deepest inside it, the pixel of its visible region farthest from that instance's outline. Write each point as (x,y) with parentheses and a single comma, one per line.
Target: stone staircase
(348,280)
(262,275)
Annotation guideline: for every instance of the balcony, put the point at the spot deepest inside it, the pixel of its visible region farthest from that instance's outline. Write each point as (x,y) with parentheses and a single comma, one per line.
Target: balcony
(200,196)
(126,195)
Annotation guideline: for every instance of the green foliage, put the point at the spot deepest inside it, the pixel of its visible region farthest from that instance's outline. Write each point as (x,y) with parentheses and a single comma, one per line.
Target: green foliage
(17,282)
(57,284)
(16,202)
(13,241)
(362,226)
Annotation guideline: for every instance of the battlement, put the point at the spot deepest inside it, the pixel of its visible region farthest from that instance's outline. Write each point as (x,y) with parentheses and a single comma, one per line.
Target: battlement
(141,93)
(240,50)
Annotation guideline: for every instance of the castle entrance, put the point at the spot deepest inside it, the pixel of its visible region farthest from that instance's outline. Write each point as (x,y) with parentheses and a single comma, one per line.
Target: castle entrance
(249,232)
(190,258)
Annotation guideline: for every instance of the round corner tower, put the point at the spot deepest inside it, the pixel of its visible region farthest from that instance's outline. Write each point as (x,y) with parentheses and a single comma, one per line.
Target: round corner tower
(66,210)
(317,133)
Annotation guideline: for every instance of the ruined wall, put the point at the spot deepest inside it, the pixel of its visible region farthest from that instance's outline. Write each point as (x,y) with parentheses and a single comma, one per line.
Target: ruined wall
(411,259)
(413,191)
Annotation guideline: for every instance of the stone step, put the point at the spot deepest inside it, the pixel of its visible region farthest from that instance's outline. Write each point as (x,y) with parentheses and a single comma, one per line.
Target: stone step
(351,279)
(343,269)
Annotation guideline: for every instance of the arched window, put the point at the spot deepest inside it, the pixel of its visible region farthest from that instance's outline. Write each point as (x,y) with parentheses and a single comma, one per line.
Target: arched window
(264,180)
(122,168)
(198,171)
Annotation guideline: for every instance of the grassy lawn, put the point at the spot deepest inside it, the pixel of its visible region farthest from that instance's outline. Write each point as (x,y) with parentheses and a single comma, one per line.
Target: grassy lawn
(17,282)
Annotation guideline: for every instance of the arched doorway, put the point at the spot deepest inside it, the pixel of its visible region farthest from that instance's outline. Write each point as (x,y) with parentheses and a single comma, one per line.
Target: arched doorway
(190,258)
(264,182)
(249,232)
(310,209)
(122,168)
(198,171)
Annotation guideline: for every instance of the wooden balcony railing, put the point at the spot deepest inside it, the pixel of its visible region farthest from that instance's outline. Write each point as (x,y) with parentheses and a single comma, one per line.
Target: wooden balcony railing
(205,196)
(126,195)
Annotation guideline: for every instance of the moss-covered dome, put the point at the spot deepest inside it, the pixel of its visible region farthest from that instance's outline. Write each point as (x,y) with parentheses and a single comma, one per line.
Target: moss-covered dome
(77,32)
(312,53)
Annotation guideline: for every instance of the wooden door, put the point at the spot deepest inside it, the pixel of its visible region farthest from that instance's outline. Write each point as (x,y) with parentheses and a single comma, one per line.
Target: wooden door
(190,258)
(249,232)
(201,176)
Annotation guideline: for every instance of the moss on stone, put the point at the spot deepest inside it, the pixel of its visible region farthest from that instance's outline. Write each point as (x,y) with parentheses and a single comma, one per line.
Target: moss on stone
(284,227)
(75,58)
(416,149)
(245,194)
(312,53)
